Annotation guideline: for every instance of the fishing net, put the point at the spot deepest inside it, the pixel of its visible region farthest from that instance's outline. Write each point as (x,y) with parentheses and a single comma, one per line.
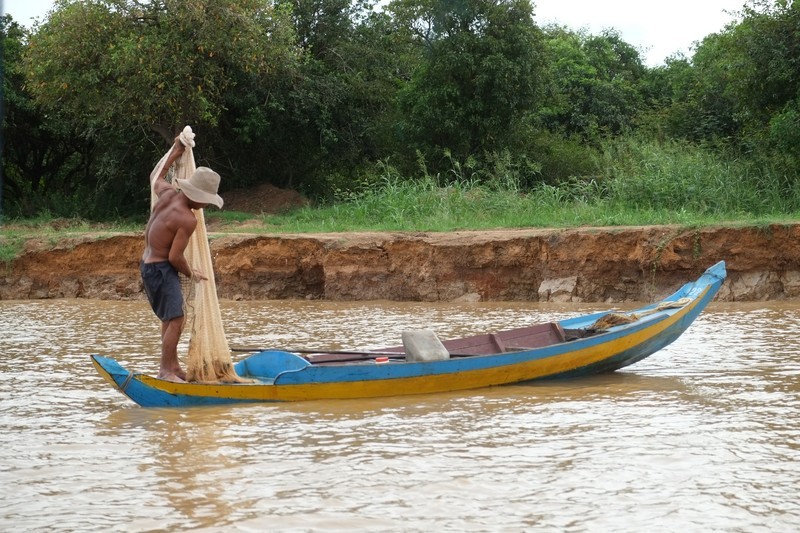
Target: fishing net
(616,319)
(209,356)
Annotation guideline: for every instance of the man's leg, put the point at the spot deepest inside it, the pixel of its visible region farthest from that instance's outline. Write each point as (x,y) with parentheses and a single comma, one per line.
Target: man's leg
(170,334)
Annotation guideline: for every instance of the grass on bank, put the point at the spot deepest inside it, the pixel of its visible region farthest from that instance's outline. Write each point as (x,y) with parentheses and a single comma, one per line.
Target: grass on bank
(456,208)
(637,183)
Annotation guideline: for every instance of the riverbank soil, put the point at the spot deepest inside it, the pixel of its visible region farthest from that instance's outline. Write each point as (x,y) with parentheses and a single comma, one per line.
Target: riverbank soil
(614,264)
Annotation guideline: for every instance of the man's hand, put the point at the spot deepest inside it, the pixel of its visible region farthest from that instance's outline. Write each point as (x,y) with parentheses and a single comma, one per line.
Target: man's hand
(177,147)
(198,275)
(157,183)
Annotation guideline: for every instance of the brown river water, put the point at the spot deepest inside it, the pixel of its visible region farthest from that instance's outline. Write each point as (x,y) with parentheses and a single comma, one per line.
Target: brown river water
(702,436)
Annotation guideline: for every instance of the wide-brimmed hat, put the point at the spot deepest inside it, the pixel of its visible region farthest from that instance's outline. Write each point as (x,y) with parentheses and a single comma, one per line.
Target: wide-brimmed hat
(202,187)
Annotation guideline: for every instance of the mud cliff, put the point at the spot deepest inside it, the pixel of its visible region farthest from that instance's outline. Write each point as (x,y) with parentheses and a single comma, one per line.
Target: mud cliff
(577,265)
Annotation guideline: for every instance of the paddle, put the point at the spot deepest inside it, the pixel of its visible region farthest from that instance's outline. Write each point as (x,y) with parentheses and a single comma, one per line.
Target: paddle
(323,351)
(365,354)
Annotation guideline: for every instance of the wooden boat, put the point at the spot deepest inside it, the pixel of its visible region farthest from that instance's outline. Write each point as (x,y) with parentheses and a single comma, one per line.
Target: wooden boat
(573,347)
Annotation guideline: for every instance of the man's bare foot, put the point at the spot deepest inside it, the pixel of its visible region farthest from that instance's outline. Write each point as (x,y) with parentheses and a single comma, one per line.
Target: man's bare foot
(172,376)
(174,370)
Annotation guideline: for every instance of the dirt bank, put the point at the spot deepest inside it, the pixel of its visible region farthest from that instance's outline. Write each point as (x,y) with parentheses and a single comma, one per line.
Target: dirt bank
(578,265)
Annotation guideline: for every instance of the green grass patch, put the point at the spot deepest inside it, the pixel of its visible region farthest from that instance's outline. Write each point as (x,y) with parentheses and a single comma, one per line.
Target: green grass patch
(11,247)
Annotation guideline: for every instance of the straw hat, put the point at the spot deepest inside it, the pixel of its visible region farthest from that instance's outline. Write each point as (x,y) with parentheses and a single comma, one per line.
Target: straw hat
(202,187)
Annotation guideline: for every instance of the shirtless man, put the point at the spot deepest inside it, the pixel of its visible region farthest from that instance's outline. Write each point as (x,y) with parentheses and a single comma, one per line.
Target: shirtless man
(166,237)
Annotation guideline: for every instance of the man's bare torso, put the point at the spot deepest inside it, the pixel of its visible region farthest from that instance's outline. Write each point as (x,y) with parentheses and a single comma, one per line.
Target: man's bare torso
(168,230)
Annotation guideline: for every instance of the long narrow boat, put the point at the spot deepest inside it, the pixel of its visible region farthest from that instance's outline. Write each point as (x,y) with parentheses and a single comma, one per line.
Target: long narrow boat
(580,346)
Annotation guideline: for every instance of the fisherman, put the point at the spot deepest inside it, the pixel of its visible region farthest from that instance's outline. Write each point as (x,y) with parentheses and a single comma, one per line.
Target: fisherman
(166,237)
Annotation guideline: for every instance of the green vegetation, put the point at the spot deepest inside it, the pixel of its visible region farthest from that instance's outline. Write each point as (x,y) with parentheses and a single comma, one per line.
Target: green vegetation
(645,184)
(639,184)
(17,232)
(10,247)
(418,115)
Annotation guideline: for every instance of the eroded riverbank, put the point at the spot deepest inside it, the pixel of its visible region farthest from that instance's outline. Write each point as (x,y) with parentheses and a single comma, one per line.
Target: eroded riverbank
(613,264)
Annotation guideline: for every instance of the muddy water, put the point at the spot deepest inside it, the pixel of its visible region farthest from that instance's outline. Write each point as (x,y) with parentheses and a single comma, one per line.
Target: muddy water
(701,436)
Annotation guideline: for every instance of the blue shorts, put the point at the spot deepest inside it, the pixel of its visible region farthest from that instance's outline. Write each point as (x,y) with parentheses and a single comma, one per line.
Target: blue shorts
(163,289)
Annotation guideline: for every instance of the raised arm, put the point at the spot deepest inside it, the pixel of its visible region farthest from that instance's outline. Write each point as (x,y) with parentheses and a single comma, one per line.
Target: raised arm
(158,184)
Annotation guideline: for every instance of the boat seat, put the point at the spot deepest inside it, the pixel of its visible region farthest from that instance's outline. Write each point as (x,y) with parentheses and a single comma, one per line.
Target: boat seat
(423,345)
(269,364)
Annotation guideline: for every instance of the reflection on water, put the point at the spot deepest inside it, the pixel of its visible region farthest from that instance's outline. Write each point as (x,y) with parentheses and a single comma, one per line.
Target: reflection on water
(701,436)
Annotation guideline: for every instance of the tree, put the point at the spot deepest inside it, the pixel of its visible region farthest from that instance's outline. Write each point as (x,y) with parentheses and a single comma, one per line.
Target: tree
(120,64)
(765,82)
(595,84)
(112,77)
(478,78)
(741,80)
(42,166)
(326,120)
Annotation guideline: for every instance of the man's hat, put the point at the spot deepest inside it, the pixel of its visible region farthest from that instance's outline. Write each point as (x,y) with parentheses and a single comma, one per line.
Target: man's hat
(202,187)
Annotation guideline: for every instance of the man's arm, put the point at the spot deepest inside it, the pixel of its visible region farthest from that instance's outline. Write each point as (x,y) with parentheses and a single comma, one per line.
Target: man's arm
(179,244)
(159,184)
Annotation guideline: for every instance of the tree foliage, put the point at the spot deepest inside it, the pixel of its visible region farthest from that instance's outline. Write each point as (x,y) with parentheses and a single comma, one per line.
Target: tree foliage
(478,76)
(317,94)
(594,84)
(328,116)
(124,64)
(44,170)
(740,89)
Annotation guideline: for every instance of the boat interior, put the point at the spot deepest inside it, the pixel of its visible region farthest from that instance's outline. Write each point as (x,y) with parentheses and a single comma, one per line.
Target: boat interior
(512,340)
